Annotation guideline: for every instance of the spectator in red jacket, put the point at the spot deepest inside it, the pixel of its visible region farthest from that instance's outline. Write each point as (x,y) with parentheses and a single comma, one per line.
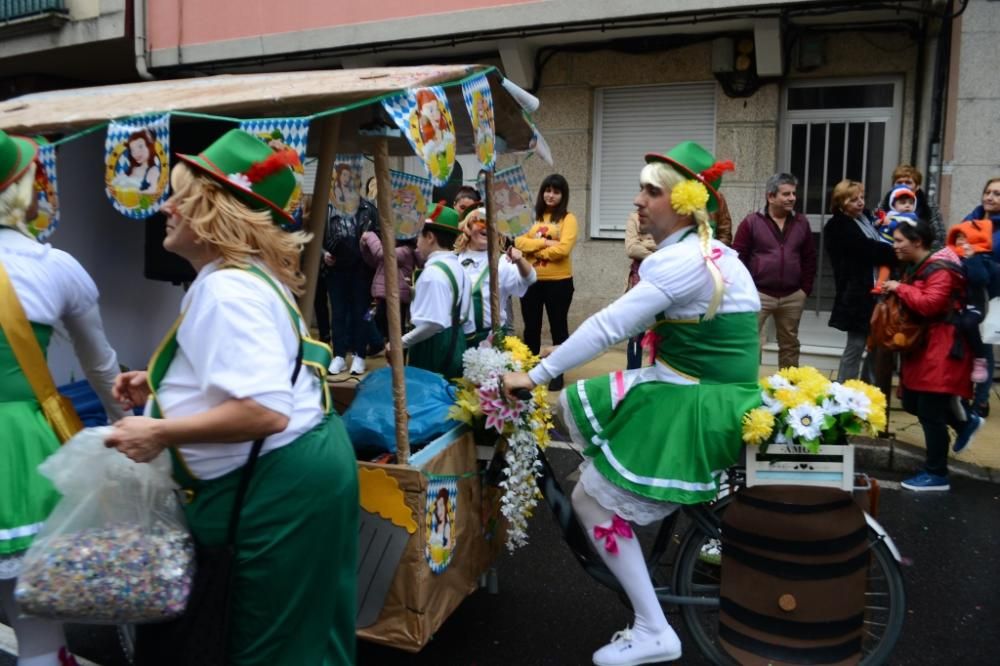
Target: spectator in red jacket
(932,286)
(776,244)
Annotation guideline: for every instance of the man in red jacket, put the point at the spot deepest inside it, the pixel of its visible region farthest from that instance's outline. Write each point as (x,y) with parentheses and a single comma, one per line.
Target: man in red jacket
(776,244)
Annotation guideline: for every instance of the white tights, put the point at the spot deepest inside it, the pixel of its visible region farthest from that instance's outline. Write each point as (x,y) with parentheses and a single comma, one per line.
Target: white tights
(627,565)
(38,641)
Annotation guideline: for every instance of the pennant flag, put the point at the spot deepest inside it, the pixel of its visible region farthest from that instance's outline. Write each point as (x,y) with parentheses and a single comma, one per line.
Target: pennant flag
(425,118)
(282,133)
(439,523)
(46,192)
(137,164)
(411,199)
(345,190)
(538,145)
(512,200)
(479,102)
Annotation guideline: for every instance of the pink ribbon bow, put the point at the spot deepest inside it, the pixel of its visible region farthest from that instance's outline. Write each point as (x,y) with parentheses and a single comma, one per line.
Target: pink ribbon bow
(650,342)
(618,527)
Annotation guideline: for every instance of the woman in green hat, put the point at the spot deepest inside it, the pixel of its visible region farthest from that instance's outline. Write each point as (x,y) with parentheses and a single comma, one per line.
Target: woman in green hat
(52,289)
(698,304)
(228,374)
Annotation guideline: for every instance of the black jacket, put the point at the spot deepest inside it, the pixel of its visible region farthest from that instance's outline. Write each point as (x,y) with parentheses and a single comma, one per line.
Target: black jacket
(854,257)
(342,237)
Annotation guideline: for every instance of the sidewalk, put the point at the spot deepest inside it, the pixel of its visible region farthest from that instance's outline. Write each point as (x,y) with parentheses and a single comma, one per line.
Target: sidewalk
(981,459)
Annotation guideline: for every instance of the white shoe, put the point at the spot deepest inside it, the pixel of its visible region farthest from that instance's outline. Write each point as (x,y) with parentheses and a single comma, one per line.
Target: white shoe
(358,365)
(627,650)
(337,365)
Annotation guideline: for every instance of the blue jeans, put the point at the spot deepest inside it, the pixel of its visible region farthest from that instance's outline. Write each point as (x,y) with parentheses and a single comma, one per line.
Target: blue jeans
(349,301)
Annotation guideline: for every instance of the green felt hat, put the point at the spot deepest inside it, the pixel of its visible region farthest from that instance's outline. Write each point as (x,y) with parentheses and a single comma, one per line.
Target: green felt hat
(16,154)
(696,163)
(258,175)
(443,218)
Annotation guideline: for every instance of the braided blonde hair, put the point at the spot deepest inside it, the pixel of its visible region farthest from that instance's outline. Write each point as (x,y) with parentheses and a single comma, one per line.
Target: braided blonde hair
(666,177)
(15,200)
(236,231)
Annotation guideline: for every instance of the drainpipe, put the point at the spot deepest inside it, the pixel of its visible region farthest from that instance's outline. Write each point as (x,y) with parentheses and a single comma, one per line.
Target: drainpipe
(939,101)
(139,31)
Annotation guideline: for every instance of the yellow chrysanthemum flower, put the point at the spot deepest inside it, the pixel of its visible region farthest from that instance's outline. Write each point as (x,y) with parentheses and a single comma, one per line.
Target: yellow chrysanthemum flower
(758,424)
(689,196)
(520,352)
(873,393)
(792,397)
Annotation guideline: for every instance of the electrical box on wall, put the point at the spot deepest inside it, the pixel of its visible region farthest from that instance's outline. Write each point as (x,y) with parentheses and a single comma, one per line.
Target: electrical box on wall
(767,46)
(722,55)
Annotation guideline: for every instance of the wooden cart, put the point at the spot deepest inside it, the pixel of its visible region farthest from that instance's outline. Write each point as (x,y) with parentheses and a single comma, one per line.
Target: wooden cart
(402,602)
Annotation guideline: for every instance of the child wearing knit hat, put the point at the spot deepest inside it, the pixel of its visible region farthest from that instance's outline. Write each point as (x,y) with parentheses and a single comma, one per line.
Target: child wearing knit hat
(902,203)
(972,241)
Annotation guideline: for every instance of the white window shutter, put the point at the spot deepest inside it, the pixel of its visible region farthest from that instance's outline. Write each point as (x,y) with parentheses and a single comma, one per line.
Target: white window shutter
(630,122)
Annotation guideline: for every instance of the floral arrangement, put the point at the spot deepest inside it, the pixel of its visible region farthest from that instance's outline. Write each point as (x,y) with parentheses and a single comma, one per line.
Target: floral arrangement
(524,424)
(803,407)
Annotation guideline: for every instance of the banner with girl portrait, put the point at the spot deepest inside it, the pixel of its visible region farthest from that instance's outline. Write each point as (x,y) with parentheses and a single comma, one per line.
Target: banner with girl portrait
(137,164)
(439,523)
(47,193)
(425,118)
(345,188)
(279,134)
(411,199)
(479,102)
(512,199)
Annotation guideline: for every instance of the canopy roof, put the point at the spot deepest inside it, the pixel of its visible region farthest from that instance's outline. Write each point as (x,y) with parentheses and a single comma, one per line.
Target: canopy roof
(350,92)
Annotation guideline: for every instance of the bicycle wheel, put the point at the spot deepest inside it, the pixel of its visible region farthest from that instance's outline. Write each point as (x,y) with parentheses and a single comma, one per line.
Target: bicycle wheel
(697,573)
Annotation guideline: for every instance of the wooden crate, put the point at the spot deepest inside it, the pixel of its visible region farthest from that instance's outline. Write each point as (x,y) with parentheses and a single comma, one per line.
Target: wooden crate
(783,464)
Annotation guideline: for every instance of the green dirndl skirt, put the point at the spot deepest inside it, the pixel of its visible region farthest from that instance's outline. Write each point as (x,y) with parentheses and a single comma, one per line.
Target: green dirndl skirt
(663,441)
(26,439)
(294,592)
(441,353)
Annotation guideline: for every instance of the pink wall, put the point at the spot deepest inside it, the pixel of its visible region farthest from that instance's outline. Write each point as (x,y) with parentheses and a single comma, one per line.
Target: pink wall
(173,23)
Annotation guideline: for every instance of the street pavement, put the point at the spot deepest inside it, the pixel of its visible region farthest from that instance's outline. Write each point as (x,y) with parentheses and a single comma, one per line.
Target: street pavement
(549,612)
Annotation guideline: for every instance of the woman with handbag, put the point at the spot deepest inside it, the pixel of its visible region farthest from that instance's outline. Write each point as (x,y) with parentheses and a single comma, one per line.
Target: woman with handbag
(855,251)
(229,403)
(40,288)
(939,368)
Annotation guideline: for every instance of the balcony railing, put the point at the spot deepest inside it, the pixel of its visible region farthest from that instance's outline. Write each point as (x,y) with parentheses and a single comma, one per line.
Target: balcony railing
(17,9)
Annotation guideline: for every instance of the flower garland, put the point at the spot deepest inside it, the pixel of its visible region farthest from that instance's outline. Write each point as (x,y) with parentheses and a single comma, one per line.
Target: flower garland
(803,407)
(525,424)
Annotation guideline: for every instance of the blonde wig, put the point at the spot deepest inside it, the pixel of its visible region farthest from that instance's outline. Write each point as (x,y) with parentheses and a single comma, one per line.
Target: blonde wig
(666,178)
(15,201)
(236,231)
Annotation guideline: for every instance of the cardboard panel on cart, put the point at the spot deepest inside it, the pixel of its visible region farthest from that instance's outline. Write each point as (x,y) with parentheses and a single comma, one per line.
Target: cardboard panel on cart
(136,311)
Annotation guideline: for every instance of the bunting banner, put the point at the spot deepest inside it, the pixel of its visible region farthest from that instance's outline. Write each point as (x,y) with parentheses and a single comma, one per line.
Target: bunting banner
(479,102)
(425,118)
(46,192)
(136,164)
(411,199)
(512,200)
(282,133)
(345,188)
(439,523)
(538,145)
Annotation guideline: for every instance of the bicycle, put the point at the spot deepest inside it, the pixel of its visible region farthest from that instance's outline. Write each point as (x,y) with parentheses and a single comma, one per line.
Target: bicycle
(694,576)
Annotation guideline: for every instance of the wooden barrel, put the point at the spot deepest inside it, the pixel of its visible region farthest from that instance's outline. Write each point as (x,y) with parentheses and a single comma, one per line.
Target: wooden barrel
(794,568)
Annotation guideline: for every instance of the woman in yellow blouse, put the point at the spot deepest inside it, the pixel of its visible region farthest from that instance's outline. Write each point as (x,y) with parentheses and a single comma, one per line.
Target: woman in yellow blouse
(548,245)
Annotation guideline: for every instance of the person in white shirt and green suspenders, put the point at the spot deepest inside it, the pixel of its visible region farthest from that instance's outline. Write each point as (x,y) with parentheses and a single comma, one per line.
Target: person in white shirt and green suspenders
(514,273)
(441,299)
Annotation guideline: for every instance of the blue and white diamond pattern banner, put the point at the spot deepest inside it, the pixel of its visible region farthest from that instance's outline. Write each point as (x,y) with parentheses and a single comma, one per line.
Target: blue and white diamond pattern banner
(47,193)
(479,102)
(425,118)
(282,133)
(137,164)
(411,199)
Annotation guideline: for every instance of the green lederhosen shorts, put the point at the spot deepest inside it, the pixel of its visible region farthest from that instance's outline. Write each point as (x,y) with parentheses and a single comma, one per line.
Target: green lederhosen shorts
(294,598)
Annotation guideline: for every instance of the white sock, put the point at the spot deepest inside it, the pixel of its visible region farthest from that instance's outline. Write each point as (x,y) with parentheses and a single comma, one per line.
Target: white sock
(628,566)
(38,641)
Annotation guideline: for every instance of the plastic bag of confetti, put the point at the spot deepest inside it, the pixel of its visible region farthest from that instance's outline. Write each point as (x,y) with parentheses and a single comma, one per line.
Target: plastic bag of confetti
(115,548)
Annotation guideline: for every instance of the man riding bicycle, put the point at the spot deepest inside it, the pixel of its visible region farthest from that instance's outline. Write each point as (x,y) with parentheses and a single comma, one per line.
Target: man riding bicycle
(660,436)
